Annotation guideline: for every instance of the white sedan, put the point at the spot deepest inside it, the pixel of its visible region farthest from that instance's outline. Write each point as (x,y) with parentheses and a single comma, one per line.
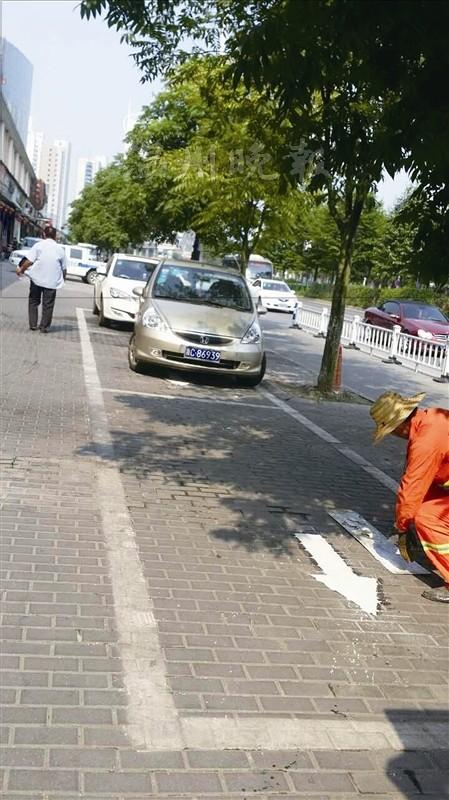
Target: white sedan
(114,299)
(274,295)
(16,256)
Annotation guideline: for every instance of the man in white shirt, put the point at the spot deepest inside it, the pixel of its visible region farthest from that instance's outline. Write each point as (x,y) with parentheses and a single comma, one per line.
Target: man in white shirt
(46,268)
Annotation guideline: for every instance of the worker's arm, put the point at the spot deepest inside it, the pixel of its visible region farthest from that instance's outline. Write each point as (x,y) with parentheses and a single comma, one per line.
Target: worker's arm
(28,262)
(424,457)
(23,266)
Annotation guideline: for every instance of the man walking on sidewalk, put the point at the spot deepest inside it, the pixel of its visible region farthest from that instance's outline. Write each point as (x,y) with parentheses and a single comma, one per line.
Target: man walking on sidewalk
(46,269)
(423,498)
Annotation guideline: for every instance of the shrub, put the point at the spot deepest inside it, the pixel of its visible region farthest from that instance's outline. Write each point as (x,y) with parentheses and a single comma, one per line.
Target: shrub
(321,291)
(361,295)
(407,293)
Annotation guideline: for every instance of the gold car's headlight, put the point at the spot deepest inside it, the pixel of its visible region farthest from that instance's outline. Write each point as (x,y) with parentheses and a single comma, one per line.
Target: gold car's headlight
(152,319)
(253,335)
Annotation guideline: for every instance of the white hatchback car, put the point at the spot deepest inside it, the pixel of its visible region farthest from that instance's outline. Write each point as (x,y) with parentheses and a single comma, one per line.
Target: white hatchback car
(274,295)
(113,288)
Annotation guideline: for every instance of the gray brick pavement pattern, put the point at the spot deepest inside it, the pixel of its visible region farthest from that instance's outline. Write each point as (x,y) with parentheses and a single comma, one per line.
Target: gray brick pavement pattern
(243,625)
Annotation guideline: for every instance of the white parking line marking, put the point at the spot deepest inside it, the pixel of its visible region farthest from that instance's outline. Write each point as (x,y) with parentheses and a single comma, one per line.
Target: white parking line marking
(347,452)
(337,575)
(188,398)
(152,716)
(381,548)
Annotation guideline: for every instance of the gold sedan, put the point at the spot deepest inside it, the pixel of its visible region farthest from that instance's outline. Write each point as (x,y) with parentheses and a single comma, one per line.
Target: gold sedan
(199,318)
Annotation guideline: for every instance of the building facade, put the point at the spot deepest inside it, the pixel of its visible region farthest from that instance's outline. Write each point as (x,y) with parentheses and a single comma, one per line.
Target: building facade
(20,196)
(16,82)
(54,171)
(35,143)
(86,171)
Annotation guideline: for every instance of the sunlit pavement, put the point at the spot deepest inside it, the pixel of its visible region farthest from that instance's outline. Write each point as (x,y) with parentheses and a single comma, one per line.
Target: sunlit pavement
(164,631)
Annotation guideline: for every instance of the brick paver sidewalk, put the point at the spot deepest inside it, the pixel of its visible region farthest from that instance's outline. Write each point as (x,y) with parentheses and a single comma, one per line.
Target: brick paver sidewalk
(163,632)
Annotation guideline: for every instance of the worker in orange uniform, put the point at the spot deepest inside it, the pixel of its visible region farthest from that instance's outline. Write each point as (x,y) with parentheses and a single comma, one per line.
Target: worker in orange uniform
(423,497)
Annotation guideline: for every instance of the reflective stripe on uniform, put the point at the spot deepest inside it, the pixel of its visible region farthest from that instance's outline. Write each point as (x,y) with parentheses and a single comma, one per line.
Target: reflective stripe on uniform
(439,548)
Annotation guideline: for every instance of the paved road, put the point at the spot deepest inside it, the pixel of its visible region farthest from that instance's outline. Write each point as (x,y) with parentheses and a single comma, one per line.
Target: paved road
(299,352)
(7,274)
(164,634)
(313,303)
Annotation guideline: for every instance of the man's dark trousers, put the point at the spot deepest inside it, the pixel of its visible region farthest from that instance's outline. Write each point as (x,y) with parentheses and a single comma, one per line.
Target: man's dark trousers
(48,303)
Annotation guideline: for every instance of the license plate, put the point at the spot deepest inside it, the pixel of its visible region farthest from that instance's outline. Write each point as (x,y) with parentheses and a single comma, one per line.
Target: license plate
(202,354)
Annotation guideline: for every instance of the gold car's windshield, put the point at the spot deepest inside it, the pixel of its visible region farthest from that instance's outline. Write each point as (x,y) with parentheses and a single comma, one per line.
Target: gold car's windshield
(202,286)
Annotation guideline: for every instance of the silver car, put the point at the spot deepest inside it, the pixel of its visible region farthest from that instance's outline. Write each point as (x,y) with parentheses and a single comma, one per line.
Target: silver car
(199,318)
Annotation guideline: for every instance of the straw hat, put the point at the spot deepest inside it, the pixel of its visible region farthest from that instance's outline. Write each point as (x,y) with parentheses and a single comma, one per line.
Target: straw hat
(390,409)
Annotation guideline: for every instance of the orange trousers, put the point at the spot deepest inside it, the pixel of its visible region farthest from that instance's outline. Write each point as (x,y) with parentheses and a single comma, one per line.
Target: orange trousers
(432,527)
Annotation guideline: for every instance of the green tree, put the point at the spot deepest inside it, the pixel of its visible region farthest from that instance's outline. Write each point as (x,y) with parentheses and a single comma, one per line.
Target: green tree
(322,251)
(371,256)
(206,157)
(424,220)
(111,212)
(360,82)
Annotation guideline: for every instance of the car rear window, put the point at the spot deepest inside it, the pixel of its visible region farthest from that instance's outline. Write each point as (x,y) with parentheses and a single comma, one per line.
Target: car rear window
(275,286)
(133,270)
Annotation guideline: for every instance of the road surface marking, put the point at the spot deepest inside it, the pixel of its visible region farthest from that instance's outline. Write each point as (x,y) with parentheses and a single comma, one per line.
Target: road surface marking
(347,452)
(381,548)
(337,575)
(188,398)
(152,716)
(153,722)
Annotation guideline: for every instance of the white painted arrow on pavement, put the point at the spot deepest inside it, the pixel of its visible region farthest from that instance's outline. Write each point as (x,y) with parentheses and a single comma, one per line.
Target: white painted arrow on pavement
(337,575)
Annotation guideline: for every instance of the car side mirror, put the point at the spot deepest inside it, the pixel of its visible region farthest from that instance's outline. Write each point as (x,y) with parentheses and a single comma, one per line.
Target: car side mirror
(261,310)
(138,291)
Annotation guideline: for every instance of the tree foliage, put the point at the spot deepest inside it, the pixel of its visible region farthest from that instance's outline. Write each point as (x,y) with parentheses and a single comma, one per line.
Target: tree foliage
(360,82)
(111,212)
(207,157)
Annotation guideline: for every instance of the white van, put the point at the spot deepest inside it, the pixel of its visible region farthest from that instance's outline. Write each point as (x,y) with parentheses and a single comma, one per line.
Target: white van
(81,261)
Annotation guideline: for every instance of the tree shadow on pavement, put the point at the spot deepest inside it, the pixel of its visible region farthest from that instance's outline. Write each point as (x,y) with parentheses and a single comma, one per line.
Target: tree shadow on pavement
(419,771)
(268,477)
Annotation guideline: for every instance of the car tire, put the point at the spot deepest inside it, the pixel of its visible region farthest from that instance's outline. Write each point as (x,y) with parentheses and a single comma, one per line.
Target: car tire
(134,364)
(103,321)
(90,277)
(253,380)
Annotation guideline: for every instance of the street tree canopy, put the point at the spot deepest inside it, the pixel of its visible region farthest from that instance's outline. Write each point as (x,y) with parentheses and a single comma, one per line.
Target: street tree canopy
(109,212)
(359,82)
(206,156)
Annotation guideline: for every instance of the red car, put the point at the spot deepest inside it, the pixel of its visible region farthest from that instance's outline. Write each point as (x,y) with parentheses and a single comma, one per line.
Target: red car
(416,318)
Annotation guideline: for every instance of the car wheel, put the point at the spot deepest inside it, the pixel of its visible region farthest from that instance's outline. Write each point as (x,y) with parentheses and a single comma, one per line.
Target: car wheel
(254,380)
(103,321)
(134,363)
(90,277)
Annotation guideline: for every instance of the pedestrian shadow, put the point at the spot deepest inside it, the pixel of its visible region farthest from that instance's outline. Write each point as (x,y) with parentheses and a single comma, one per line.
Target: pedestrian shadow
(421,768)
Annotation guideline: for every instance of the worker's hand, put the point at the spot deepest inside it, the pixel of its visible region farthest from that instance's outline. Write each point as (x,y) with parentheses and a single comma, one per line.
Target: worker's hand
(402,545)
(18,271)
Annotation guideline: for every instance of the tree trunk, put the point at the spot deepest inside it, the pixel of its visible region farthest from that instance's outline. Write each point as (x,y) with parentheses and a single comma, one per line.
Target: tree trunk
(244,254)
(195,256)
(336,318)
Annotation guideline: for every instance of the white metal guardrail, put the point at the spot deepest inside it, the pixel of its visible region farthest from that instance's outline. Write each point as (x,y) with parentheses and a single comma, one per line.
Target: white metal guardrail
(418,354)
